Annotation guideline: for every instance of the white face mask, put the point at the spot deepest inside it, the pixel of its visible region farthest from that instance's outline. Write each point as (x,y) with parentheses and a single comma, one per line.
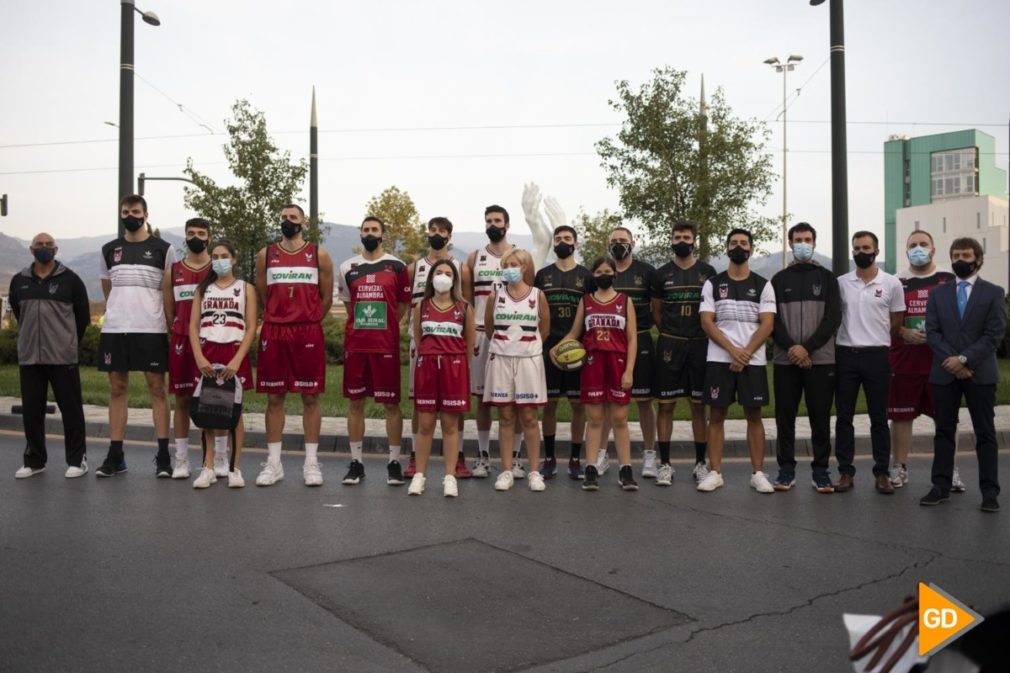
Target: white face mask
(442,283)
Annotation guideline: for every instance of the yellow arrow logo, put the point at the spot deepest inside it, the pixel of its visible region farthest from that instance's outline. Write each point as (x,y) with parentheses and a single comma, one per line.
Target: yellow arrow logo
(942,619)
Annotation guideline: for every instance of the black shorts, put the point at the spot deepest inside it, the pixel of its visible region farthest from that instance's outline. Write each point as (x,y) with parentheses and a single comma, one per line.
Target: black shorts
(134,352)
(561,383)
(749,387)
(680,368)
(641,383)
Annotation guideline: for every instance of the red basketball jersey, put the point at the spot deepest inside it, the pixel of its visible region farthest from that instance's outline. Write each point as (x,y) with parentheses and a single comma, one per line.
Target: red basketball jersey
(606,324)
(293,285)
(184,281)
(442,331)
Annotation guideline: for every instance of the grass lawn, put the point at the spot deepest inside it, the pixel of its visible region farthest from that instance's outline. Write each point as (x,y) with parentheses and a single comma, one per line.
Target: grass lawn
(96,391)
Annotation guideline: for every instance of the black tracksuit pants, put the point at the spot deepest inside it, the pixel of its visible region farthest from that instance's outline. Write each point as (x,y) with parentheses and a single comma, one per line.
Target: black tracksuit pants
(66,383)
(817,386)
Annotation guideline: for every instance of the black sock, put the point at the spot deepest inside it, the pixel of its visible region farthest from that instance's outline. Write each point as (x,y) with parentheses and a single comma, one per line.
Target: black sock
(699,451)
(576,450)
(549,446)
(664,452)
(116,449)
(163,447)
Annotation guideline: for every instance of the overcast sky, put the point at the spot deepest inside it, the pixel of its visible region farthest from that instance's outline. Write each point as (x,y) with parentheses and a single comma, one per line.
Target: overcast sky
(390,76)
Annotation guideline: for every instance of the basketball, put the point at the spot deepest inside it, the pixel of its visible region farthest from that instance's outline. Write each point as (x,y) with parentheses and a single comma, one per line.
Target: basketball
(570,354)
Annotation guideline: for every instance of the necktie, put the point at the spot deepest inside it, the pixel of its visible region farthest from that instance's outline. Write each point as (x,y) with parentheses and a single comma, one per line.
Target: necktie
(962,297)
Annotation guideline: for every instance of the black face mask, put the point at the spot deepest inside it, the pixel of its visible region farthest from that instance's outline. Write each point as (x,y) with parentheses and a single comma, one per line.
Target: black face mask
(619,250)
(196,245)
(604,282)
(44,255)
(738,255)
(962,269)
(564,250)
(371,242)
(495,234)
(290,229)
(131,223)
(437,241)
(683,249)
(864,260)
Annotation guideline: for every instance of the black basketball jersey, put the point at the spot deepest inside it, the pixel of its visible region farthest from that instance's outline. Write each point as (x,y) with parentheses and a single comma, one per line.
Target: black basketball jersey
(636,282)
(563,290)
(679,290)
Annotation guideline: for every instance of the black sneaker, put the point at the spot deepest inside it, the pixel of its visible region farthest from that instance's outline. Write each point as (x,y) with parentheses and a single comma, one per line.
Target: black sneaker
(163,466)
(111,466)
(934,497)
(394,475)
(990,504)
(355,473)
(589,480)
(626,478)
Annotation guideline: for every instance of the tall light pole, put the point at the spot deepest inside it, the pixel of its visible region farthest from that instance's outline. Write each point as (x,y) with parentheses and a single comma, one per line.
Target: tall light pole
(784,68)
(127,9)
(839,150)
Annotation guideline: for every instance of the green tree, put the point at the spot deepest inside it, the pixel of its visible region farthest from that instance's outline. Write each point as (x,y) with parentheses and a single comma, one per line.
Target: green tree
(594,233)
(405,234)
(675,158)
(247,213)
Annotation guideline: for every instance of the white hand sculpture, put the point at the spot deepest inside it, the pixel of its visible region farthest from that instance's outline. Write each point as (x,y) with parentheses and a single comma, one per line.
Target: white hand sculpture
(555,213)
(532,200)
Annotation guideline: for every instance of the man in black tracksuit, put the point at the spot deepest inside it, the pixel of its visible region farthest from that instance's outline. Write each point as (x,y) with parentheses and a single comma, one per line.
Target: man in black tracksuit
(51,305)
(809,313)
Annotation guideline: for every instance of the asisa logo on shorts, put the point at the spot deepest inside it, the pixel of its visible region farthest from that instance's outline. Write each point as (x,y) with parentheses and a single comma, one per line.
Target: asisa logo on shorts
(526,396)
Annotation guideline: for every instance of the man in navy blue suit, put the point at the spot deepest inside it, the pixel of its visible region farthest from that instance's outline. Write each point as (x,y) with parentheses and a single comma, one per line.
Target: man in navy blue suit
(965,322)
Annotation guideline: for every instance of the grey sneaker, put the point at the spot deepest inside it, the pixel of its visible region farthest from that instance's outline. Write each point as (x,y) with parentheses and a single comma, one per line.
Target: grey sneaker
(956,485)
(664,476)
(602,462)
(699,472)
(649,469)
(898,474)
(482,468)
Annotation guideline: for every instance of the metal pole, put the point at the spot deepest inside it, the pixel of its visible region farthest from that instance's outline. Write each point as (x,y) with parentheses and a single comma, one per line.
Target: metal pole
(785,210)
(314,164)
(125,105)
(839,150)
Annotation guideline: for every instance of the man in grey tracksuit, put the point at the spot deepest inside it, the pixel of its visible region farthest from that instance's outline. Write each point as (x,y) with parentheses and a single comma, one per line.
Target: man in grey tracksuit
(51,305)
(809,313)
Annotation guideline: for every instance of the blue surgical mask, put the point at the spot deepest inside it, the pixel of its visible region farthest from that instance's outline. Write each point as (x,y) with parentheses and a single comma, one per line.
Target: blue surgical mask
(222,267)
(803,252)
(918,256)
(511,274)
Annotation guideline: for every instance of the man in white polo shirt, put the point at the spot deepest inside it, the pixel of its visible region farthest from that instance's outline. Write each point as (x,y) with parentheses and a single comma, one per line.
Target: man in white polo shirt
(873,303)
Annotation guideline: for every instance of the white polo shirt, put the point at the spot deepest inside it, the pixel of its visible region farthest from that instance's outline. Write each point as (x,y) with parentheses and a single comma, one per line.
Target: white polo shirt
(867,309)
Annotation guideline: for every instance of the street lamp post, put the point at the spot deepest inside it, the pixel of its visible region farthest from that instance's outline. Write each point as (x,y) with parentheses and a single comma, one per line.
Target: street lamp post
(127,8)
(839,158)
(784,68)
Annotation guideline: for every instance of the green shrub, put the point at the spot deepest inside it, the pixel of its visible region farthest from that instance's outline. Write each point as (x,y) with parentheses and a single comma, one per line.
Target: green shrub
(9,346)
(333,338)
(88,346)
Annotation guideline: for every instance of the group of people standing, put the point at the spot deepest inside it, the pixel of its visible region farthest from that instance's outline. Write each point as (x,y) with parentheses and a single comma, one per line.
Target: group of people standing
(488,328)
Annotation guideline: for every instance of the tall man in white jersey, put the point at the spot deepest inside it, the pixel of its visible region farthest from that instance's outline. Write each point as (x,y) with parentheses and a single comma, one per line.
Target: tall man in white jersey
(485,275)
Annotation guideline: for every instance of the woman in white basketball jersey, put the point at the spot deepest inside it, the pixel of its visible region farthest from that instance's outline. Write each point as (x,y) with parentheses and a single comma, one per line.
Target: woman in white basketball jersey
(516,321)
(222,328)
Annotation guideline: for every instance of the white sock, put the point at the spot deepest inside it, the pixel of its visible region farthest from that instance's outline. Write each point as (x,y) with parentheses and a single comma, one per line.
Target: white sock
(517,445)
(484,442)
(394,453)
(311,452)
(356,451)
(181,448)
(221,445)
(274,452)
(413,442)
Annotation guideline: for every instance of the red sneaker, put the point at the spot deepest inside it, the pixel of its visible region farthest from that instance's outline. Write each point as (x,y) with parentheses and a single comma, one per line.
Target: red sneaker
(411,468)
(462,471)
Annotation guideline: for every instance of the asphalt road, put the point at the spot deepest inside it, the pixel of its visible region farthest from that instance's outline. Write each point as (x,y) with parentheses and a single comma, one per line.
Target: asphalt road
(137,574)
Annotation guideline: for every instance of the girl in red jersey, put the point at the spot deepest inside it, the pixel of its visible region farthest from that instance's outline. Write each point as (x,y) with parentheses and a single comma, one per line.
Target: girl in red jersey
(607,319)
(443,328)
(222,328)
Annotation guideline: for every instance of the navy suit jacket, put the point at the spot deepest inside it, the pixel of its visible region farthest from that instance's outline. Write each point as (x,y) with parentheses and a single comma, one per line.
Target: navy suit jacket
(976,336)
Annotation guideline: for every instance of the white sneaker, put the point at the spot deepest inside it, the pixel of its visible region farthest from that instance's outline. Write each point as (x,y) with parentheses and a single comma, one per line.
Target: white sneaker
(449,487)
(311,473)
(699,472)
(664,476)
(712,481)
(73,471)
(482,468)
(220,464)
(25,472)
(504,481)
(537,482)
(181,470)
(235,479)
(417,484)
(956,485)
(649,470)
(602,462)
(518,472)
(206,478)
(898,475)
(760,483)
(271,474)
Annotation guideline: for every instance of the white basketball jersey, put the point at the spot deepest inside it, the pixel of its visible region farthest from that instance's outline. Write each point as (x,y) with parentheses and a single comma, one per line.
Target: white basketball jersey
(222,313)
(486,281)
(516,329)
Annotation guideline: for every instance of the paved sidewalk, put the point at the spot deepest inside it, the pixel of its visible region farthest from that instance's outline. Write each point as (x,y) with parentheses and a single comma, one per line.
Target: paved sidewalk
(334,431)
